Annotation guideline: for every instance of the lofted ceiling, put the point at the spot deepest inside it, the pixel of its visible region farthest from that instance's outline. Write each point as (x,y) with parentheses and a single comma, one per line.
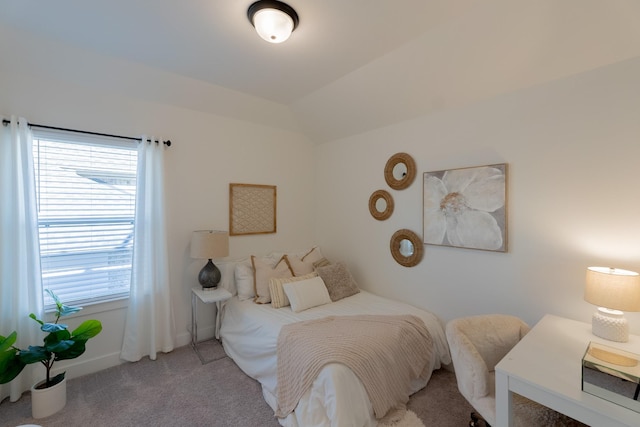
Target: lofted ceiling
(213,41)
(349,67)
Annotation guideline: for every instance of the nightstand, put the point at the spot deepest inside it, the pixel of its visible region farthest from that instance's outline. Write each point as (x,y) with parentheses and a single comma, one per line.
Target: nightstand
(214,296)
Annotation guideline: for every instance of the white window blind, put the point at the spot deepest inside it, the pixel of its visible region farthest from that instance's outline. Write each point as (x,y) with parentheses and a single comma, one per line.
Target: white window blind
(86,191)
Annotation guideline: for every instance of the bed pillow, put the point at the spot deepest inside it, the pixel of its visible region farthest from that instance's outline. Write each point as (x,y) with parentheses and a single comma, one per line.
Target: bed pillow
(244,280)
(262,273)
(303,264)
(305,294)
(278,297)
(338,280)
(320,263)
(227,269)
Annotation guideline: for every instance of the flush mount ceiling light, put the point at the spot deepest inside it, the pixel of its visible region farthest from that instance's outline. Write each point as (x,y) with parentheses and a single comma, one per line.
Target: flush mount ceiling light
(273,20)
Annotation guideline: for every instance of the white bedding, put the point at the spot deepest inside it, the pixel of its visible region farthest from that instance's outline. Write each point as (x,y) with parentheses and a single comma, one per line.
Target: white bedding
(249,334)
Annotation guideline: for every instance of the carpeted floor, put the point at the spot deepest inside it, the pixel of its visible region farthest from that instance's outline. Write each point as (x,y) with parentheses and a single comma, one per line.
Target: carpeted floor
(177,390)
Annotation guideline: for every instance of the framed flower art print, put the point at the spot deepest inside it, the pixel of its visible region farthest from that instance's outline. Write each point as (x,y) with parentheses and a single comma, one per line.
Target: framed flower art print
(466,207)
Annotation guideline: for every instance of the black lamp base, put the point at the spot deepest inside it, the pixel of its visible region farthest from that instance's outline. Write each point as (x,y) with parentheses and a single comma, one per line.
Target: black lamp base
(209,276)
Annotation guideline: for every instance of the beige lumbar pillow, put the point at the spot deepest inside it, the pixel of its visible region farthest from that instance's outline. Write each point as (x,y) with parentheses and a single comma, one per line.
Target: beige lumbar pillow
(262,273)
(278,297)
(306,294)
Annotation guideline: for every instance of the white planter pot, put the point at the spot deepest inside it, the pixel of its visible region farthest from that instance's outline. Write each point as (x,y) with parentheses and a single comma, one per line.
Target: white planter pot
(48,401)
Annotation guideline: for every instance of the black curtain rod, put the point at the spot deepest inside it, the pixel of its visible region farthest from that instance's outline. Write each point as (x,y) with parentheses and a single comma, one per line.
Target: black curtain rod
(167,142)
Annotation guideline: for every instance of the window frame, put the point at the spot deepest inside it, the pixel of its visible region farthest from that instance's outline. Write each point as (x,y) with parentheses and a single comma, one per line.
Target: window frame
(89,141)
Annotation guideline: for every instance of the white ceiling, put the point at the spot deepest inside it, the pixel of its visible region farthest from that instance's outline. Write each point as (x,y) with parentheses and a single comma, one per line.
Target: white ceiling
(351,65)
(213,41)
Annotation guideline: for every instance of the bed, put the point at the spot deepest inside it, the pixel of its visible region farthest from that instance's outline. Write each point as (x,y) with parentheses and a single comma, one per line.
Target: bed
(249,333)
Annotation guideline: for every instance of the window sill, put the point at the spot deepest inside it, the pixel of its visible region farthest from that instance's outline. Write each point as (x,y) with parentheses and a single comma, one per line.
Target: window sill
(91,309)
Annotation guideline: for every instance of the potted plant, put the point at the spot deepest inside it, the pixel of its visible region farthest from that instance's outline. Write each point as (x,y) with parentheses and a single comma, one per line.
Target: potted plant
(59,344)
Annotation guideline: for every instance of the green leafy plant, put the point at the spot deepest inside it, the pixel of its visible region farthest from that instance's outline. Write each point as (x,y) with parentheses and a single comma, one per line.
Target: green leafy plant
(59,344)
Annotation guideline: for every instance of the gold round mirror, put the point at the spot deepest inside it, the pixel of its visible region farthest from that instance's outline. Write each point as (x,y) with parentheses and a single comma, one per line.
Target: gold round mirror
(400,171)
(406,248)
(381,205)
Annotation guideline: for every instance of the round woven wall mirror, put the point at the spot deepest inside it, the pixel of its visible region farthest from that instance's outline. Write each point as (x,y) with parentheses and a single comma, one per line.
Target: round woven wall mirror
(381,205)
(406,248)
(400,171)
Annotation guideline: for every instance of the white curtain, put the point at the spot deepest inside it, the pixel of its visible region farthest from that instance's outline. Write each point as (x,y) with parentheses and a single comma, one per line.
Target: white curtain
(20,280)
(149,325)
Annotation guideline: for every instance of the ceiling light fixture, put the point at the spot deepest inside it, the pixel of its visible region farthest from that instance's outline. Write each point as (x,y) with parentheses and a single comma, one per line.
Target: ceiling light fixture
(273,20)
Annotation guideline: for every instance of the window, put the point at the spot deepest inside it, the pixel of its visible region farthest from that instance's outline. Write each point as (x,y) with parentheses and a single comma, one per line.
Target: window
(86,191)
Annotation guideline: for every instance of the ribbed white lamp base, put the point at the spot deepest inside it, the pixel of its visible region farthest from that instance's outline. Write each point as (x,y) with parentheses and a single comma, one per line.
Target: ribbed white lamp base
(610,325)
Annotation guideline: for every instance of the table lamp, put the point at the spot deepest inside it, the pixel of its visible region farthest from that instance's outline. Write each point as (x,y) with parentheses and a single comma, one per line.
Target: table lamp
(209,244)
(613,290)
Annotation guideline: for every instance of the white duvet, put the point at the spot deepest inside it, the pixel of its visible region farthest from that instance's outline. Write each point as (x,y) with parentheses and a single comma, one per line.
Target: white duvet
(249,334)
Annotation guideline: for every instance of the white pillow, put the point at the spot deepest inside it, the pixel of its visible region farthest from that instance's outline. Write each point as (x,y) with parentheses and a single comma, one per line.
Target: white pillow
(228,271)
(244,281)
(278,297)
(307,293)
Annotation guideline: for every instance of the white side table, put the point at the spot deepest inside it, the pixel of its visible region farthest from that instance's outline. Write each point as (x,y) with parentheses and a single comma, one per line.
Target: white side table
(214,296)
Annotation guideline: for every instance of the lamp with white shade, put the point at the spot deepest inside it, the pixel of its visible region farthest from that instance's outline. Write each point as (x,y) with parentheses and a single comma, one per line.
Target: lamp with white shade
(209,244)
(614,291)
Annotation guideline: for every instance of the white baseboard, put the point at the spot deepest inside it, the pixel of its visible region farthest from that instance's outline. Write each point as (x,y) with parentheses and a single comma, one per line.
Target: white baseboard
(88,366)
(78,368)
(183,339)
(204,333)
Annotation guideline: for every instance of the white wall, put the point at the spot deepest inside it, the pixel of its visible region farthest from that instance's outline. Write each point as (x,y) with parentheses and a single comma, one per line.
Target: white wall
(571,145)
(572,149)
(208,152)
(493,47)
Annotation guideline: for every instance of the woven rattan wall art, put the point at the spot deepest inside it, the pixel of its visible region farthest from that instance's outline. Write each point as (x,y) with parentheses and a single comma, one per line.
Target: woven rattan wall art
(381,205)
(400,171)
(252,209)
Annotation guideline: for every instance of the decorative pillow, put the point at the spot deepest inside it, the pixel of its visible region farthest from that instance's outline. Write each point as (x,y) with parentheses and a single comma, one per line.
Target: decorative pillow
(301,265)
(244,281)
(227,269)
(339,282)
(262,273)
(321,263)
(306,293)
(278,297)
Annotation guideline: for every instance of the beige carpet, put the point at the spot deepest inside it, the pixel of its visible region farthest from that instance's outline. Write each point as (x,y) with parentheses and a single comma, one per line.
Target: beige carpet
(177,390)
(410,419)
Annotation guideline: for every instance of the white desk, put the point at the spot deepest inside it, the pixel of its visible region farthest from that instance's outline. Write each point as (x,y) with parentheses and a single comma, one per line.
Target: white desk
(214,296)
(546,366)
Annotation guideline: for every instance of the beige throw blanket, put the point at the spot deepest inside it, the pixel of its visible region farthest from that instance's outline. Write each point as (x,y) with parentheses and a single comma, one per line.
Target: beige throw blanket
(385,352)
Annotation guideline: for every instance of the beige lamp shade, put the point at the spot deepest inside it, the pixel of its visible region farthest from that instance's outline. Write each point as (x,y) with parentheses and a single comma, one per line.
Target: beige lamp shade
(209,244)
(613,288)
